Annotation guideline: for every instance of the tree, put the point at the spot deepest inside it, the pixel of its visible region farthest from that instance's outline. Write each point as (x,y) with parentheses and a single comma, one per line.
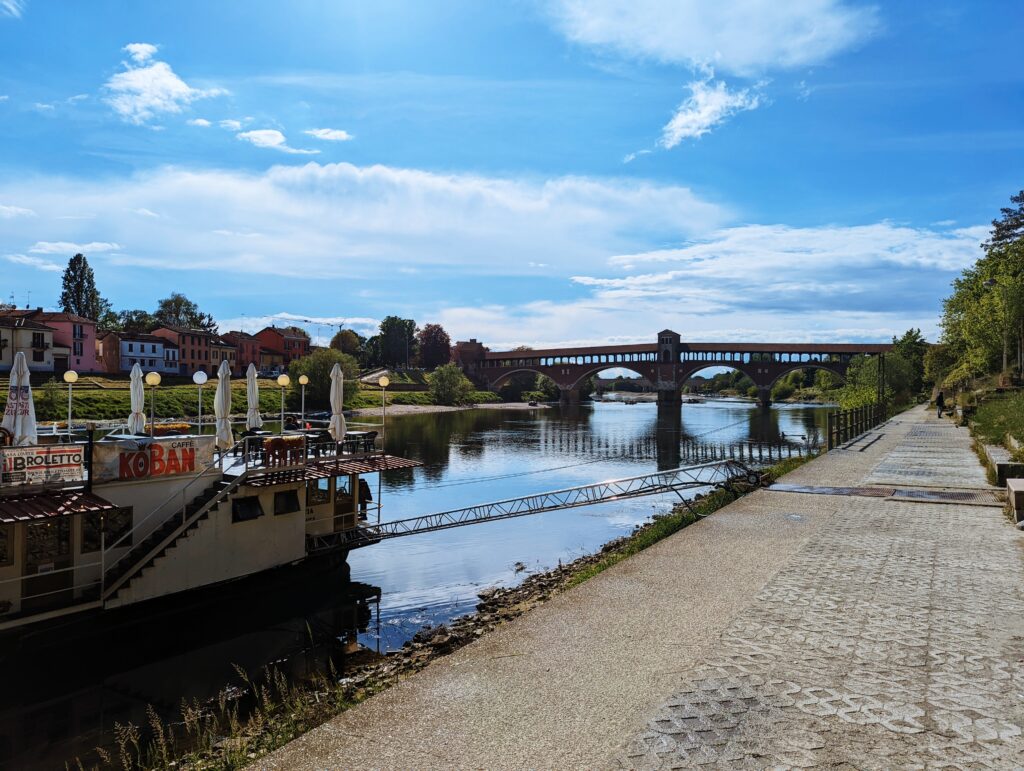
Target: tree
(317,367)
(1010,227)
(79,294)
(137,321)
(912,347)
(435,346)
(179,311)
(861,387)
(449,386)
(397,341)
(347,341)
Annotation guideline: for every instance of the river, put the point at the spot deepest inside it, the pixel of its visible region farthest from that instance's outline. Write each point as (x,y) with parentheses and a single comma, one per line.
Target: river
(64,700)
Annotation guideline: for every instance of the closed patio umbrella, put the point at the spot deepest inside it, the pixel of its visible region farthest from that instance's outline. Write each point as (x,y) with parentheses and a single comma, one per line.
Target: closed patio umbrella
(337,425)
(222,407)
(252,397)
(20,411)
(137,420)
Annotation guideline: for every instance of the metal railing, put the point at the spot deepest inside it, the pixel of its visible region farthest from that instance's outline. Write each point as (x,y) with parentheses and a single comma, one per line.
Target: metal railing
(72,589)
(846,425)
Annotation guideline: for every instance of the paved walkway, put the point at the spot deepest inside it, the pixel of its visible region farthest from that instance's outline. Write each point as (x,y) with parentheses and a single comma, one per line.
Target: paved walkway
(789,629)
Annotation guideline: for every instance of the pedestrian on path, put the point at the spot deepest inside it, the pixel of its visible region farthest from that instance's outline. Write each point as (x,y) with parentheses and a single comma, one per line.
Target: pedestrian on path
(940,402)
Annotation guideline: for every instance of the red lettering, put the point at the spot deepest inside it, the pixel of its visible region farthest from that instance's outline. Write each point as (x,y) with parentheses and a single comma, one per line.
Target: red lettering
(173,465)
(125,466)
(156,459)
(188,459)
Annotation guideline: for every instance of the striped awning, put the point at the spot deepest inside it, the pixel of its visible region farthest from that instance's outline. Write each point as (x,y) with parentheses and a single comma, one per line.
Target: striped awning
(38,506)
(335,467)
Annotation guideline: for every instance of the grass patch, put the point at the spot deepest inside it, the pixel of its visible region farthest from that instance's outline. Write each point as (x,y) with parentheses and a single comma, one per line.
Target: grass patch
(997,417)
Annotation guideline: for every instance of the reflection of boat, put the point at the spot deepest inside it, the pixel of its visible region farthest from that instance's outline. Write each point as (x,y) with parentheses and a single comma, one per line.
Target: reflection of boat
(67,683)
(92,526)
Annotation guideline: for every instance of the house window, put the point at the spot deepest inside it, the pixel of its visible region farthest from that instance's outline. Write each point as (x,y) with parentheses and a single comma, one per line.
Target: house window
(117,523)
(76,331)
(152,348)
(131,347)
(77,347)
(245,509)
(286,501)
(37,340)
(38,355)
(6,544)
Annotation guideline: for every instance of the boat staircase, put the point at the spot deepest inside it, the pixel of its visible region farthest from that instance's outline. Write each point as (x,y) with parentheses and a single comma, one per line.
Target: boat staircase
(167,536)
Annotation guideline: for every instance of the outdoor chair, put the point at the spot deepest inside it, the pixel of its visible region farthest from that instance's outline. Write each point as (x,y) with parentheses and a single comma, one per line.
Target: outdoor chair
(369,440)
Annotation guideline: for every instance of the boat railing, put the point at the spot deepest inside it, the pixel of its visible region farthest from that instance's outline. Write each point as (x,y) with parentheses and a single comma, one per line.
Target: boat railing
(79,593)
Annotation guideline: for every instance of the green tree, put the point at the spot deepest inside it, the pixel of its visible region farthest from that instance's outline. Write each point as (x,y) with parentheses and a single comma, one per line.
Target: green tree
(547,389)
(179,311)
(317,367)
(79,294)
(397,341)
(861,386)
(449,386)
(137,321)
(1009,228)
(347,341)
(434,345)
(912,347)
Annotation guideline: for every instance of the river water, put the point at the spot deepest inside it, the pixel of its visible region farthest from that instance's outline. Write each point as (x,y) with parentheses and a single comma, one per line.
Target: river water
(66,696)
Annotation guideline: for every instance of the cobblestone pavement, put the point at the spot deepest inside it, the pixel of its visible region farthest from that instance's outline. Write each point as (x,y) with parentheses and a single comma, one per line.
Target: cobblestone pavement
(893,639)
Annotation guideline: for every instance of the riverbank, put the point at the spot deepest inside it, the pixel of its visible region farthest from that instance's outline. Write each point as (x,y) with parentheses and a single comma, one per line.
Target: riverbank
(788,629)
(423,409)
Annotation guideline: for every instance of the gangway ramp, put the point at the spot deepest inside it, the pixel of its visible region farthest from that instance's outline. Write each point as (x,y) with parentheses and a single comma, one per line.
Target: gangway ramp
(721,473)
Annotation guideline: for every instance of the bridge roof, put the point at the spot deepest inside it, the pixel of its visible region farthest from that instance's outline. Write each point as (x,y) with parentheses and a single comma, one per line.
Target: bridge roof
(711,347)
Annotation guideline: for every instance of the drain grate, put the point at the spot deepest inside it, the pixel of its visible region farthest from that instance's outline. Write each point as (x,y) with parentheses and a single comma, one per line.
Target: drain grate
(972,498)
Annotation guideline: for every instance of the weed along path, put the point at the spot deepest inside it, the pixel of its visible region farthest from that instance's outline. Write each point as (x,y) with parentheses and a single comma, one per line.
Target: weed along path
(803,625)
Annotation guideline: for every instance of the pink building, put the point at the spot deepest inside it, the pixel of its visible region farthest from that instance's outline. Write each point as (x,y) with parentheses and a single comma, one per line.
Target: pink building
(74,338)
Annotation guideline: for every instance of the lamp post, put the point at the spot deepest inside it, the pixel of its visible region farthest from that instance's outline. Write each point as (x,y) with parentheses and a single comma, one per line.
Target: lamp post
(283,381)
(303,381)
(383,382)
(70,377)
(152,380)
(199,378)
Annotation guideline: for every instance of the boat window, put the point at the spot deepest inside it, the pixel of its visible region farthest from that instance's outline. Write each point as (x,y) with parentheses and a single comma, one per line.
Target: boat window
(343,487)
(286,501)
(244,509)
(118,523)
(318,492)
(6,544)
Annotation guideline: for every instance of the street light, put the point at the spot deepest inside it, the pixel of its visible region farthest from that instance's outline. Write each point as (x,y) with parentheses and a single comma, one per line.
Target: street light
(70,377)
(283,381)
(152,380)
(303,381)
(383,382)
(199,378)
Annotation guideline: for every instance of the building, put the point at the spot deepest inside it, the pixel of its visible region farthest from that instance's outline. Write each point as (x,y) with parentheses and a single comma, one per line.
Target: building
(118,352)
(195,348)
(222,350)
(289,342)
(247,350)
(32,338)
(271,361)
(74,339)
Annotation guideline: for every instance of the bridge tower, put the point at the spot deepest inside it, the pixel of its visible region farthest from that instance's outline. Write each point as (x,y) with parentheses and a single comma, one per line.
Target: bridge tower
(666,369)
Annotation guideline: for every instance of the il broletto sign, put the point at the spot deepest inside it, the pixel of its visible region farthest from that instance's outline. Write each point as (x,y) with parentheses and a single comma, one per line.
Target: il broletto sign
(41,465)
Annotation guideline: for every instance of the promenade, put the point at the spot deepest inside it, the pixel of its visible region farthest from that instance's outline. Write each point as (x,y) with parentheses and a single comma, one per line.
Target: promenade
(879,626)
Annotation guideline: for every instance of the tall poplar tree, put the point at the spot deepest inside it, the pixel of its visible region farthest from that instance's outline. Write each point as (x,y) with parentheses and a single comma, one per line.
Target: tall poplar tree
(79,294)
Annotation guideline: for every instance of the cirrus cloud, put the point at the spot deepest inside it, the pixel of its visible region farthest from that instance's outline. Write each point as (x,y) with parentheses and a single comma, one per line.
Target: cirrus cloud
(330,135)
(272,139)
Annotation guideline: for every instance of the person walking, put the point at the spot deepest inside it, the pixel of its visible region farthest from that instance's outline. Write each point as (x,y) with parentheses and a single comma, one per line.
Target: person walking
(940,402)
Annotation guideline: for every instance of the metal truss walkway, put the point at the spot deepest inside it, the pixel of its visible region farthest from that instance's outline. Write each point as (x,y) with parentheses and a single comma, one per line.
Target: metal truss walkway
(721,473)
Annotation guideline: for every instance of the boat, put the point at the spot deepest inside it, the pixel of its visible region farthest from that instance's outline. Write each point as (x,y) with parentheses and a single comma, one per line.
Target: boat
(93,526)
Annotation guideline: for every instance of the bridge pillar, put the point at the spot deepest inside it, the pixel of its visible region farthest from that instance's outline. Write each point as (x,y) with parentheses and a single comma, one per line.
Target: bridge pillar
(569,396)
(669,398)
(669,434)
(764,396)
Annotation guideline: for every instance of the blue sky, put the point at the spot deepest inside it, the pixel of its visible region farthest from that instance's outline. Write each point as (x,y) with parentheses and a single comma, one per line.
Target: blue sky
(525,172)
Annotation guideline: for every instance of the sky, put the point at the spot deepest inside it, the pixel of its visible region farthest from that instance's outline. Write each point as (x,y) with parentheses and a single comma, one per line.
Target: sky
(525,172)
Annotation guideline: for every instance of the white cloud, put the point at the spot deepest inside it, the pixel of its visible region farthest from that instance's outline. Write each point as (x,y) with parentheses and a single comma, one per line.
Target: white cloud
(68,247)
(140,52)
(330,135)
(10,212)
(325,326)
(4,97)
(76,98)
(34,262)
(145,212)
(272,139)
(201,122)
(630,157)
(148,87)
(742,37)
(230,125)
(12,8)
(42,106)
(710,103)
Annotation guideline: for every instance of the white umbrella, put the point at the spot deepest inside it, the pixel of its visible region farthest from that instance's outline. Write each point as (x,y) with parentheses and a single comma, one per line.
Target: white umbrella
(20,411)
(222,407)
(337,425)
(252,397)
(137,420)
